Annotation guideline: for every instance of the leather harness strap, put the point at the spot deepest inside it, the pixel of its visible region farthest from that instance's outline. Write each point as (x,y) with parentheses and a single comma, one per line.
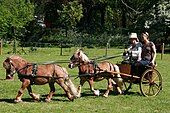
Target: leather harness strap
(34,69)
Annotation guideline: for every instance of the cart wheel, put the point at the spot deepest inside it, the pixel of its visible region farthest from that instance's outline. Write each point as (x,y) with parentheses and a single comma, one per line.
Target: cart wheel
(150,83)
(127,84)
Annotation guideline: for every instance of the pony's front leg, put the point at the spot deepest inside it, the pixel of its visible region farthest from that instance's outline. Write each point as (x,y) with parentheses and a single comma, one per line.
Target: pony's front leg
(82,81)
(91,82)
(109,87)
(25,84)
(79,91)
(33,95)
(50,95)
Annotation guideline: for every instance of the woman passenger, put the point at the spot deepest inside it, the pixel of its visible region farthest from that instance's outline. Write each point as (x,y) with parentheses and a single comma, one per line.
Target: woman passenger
(148,51)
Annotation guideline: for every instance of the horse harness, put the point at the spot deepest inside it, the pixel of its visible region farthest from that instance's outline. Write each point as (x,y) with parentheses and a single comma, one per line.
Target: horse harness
(96,70)
(33,75)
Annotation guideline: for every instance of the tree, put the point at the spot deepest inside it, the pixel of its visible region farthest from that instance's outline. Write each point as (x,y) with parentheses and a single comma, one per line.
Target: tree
(71,14)
(161,24)
(14,14)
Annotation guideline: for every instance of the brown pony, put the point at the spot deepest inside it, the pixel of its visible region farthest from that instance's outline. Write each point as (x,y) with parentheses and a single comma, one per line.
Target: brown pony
(90,72)
(31,73)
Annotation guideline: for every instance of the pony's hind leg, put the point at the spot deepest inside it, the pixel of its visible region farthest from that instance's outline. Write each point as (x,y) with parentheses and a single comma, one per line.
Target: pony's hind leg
(117,86)
(118,79)
(66,89)
(82,81)
(50,95)
(79,91)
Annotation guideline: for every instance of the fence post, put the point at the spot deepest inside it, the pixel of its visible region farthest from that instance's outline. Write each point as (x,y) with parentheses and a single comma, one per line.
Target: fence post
(107,45)
(14,46)
(1,43)
(106,49)
(61,49)
(163,48)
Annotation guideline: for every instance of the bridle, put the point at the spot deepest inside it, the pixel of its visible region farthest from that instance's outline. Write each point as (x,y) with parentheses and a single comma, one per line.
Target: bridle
(77,61)
(13,70)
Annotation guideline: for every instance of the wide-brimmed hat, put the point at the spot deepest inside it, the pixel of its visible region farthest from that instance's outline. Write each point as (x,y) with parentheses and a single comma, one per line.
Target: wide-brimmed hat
(133,35)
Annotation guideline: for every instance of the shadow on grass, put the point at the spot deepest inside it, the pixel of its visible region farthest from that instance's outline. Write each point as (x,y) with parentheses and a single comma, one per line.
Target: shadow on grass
(31,100)
(7,100)
(64,99)
(12,100)
(133,93)
(87,92)
(58,95)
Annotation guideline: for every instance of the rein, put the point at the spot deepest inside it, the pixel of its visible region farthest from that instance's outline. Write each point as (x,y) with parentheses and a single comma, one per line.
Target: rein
(30,76)
(34,70)
(33,75)
(20,69)
(86,63)
(96,68)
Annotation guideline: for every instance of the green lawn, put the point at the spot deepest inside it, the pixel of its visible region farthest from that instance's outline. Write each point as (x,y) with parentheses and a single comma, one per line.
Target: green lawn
(132,103)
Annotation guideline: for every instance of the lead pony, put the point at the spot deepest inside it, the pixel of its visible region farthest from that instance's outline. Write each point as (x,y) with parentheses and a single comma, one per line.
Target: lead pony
(34,74)
(90,71)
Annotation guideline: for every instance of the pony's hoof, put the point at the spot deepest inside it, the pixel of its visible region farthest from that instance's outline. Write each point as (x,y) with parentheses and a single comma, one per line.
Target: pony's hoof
(47,100)
(78,95)
(71,99)
(9,78)
(37,97)
(96,92)
(17,101)
(120,93)
(105,95)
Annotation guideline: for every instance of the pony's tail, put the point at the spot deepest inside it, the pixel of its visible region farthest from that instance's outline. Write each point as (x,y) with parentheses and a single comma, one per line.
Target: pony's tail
(71,87)
(70,84)
(118,79)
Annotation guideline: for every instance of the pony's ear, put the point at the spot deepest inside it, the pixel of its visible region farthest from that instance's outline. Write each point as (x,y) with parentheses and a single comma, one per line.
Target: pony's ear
(7,59)
(80,49)
(6,63)
(78,53)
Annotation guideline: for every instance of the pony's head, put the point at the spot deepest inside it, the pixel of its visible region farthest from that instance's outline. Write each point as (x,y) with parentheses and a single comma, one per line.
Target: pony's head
(78,58)
(12,64)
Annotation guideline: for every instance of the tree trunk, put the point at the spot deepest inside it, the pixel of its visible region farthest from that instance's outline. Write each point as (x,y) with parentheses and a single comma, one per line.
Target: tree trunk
(123,18)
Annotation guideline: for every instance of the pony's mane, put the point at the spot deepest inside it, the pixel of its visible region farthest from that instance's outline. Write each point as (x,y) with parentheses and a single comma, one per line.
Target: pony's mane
(82,55)
(16,57)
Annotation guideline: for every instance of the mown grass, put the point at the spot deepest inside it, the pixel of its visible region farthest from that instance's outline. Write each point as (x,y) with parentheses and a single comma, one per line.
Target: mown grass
(132,103)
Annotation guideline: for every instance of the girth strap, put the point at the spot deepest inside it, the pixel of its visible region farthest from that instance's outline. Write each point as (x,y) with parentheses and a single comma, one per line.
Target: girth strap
(33,74)
(96,67)
(34,69)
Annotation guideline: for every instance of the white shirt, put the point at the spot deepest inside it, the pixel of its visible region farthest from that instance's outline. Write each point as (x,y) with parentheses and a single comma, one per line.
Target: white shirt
(135,52)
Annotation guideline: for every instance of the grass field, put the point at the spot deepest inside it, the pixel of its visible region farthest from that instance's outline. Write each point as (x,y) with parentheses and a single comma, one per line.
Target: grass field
(132,103)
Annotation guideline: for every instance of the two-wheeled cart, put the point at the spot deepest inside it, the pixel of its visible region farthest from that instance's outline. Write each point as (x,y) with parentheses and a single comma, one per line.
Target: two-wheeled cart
(148,78)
